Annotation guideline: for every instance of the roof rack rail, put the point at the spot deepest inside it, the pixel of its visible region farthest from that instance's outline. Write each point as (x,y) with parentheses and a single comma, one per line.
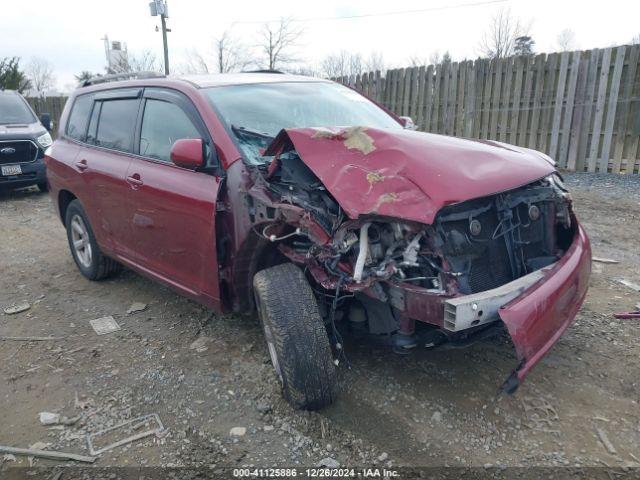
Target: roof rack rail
(121,76)
(263,71)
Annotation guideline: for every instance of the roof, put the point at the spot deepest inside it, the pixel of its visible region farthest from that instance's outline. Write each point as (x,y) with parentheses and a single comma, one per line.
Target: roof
(222,79)
(8,92)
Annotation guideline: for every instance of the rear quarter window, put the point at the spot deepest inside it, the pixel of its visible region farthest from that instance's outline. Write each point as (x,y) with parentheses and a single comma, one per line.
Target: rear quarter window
(79,117)
(117,123)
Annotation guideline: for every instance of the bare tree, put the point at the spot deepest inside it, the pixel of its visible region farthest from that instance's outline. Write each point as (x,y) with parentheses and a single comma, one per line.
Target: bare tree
(146,61)
(436,58)
(499,40)
(567,40)
(635,40)
(304,69)
(277,41)
(375,62)
(40,73)
(195,63)
(342,64)
(231,55)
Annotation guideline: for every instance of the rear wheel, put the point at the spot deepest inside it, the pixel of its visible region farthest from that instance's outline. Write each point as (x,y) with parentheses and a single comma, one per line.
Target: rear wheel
(91,262)
(296,337)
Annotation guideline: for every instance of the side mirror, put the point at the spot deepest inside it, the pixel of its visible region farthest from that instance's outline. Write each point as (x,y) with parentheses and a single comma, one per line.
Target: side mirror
(407,123)
(188,153)
(45,120)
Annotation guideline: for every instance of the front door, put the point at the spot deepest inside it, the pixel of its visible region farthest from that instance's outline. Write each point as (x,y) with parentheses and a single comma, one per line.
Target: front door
(172,209)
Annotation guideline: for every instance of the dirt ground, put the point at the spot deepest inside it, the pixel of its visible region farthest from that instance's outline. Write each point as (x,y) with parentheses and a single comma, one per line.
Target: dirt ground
(437,407)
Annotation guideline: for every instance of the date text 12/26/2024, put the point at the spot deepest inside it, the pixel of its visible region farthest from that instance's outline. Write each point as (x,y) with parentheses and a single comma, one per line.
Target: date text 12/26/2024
(318,472)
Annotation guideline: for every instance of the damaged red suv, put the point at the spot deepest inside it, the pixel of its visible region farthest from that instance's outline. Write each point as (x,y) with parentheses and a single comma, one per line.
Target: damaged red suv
(304,200)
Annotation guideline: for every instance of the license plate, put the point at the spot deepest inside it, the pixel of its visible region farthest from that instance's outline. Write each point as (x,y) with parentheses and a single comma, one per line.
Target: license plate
(11,170)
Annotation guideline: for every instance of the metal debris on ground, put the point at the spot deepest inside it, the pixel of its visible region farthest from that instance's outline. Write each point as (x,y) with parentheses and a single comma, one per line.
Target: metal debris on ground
(51,455)
(104,325)
(627,315)
(604,260)
(137,307)
(17,308)
(631,285)
(602,436)
(128,426)
(28,339)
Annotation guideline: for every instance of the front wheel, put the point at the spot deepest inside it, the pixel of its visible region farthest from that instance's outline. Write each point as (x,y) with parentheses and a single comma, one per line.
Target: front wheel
(43,187)
(296,337)
(90,260)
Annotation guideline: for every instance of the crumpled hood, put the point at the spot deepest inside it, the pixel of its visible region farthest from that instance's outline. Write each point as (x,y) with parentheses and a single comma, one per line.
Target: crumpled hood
(407,174)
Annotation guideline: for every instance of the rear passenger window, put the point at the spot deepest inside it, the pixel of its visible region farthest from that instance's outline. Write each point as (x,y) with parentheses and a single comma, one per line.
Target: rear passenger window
(116,124)
(77,124)
(162,124)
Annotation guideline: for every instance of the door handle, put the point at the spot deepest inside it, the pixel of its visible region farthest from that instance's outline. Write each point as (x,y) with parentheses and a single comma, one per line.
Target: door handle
(134,180)
(82,165)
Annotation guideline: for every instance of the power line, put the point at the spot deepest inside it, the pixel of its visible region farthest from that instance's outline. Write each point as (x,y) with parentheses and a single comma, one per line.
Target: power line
(382,14)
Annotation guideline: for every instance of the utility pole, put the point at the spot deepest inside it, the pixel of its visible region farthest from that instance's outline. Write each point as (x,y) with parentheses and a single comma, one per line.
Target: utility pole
(159,7)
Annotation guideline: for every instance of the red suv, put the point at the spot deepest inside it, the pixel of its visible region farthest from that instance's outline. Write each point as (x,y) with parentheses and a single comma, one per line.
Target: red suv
(319,208)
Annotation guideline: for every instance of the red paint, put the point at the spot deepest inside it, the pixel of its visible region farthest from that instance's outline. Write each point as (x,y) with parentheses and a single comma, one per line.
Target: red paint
(170,223)
(420,172)
(187,153)
(538,317)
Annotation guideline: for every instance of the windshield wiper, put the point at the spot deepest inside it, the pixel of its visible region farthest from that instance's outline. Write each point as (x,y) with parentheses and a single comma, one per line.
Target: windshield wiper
(244,132)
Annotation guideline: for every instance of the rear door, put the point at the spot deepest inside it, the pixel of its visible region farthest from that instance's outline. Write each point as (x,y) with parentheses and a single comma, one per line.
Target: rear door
(103,163)
(172,209)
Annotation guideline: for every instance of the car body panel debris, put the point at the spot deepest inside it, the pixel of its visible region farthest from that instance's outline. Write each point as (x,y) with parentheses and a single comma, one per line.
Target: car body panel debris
(137,307)
(17,308)
(127,427)
(104,325)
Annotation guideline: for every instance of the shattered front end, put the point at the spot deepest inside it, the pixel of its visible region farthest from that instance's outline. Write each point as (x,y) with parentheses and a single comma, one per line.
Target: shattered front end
(423,266)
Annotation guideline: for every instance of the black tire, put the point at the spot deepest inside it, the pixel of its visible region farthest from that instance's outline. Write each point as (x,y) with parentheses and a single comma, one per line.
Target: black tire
(296,336)
(43,187)
(98,265)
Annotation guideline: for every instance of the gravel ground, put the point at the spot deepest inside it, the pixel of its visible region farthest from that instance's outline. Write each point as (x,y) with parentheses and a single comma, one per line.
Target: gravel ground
(605,184)
(433,408)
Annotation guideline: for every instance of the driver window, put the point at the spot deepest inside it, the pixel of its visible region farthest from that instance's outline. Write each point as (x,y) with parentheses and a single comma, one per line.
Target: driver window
(162,124)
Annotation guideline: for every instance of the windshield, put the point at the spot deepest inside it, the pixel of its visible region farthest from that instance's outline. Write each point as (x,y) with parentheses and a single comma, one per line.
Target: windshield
(256,113)
(14,110)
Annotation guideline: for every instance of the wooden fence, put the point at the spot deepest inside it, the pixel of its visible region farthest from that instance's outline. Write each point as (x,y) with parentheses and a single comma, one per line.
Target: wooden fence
(50,105)
(581,108)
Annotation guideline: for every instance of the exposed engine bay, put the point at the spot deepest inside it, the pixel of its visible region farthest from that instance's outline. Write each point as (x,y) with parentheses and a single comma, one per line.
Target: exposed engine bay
(384,274)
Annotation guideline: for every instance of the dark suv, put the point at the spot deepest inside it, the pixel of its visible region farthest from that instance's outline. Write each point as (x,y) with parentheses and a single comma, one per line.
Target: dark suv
(23,140)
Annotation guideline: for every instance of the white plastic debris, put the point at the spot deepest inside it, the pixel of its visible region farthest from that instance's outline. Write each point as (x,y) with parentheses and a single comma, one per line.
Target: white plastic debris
(17,308)
(48,418)
(237,431)
(104,325)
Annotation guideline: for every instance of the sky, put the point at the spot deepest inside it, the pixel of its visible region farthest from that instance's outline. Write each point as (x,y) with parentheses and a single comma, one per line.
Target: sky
(68,33)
